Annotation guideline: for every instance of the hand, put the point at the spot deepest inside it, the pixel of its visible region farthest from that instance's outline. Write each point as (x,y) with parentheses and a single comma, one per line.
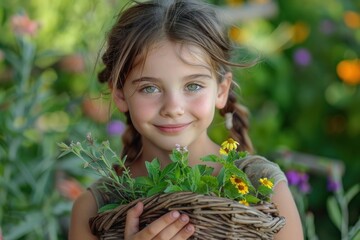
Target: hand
(173,225)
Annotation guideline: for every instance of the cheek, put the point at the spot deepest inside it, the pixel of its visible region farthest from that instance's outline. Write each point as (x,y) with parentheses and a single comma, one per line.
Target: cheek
(203,105)
(141,109)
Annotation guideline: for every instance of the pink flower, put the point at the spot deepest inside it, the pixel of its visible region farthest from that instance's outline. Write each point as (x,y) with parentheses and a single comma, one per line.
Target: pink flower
(69,188)
(96,109)
(23,25)
(72,63)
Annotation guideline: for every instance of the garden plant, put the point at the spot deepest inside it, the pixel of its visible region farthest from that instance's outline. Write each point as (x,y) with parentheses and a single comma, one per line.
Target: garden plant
(303,97)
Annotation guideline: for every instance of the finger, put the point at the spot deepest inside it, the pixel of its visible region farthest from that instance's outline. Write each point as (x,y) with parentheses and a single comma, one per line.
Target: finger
(132,220)
(185,232)
(177,230)
(159,225)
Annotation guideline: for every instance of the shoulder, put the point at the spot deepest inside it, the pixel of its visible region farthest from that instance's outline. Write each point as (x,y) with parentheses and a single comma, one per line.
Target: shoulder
(257,167)
(83,209)
(254,161)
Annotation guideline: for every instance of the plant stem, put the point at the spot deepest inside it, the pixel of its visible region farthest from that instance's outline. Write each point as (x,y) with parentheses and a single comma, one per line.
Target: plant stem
(340,197)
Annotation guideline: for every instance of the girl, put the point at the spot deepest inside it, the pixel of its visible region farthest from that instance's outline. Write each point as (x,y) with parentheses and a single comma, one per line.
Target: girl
(167,65)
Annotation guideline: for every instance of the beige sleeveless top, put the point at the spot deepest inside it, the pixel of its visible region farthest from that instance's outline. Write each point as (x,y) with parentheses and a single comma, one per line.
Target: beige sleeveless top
(255,167)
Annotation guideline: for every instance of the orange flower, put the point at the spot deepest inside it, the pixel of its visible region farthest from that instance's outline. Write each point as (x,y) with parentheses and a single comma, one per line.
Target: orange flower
(234,2)
(69,188)
(352,19)
(349,71)
(237,35)
(300,32)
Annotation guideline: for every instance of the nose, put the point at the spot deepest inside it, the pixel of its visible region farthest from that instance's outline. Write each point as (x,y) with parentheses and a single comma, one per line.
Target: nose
(172,106)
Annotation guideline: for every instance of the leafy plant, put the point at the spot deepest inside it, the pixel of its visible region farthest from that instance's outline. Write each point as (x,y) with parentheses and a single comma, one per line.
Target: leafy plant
(231,182)
(337,206)
(33,206)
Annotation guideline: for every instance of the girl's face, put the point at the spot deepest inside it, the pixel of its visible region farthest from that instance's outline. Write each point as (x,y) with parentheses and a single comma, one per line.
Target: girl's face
(172,100)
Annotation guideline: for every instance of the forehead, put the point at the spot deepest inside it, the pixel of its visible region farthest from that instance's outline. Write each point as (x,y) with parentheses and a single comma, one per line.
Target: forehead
(166,50)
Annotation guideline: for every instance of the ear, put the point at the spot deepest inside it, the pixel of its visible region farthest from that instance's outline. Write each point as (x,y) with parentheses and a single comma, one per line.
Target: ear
(119,99)
(223,91)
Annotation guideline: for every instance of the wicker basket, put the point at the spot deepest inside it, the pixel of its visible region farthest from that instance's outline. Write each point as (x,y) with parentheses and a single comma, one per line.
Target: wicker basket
(213,217)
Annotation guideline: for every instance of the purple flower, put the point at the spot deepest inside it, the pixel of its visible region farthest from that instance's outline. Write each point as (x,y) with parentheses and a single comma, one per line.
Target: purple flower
(116,128)
(302,57)
(303,177)
(332,185)
(293,177)
(304,187)
(298,179)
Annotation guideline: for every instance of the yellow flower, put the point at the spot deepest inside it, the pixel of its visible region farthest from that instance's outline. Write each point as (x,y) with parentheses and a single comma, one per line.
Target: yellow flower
(266,182)
(234,180)
(242,188)
(229,145)
(300,32)
(244,202)
(223,152)
(239,184)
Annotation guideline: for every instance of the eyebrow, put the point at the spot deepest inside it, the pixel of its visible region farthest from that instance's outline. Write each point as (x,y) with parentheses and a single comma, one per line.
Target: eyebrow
(195,76)
(144,79)
(186,78)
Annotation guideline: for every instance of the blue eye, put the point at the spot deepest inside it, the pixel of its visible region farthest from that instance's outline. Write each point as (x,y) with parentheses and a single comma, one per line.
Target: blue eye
(193,87)
(150,89)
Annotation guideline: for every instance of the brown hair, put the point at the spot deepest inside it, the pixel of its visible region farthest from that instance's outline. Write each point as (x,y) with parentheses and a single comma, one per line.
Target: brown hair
(186,22)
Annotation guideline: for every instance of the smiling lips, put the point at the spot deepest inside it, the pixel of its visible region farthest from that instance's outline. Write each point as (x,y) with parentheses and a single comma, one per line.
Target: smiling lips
(172,128)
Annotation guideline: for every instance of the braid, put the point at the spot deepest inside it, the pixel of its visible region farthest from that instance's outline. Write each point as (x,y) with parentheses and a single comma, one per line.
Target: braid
(132,146)
(240,123)
(105,74)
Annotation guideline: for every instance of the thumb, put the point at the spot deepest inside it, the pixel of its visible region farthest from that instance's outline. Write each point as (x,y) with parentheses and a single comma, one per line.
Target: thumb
(132,220)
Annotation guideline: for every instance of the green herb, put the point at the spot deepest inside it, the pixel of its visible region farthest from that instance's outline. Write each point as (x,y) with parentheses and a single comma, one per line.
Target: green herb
(231,182)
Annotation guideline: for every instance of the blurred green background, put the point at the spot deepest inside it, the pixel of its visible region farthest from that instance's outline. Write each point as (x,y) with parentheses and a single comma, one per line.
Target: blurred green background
(303,98)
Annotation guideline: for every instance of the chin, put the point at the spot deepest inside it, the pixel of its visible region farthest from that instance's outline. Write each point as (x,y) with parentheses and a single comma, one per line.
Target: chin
(170,145)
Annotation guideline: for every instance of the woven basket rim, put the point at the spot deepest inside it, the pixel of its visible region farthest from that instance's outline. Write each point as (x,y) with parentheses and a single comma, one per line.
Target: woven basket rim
(212,216)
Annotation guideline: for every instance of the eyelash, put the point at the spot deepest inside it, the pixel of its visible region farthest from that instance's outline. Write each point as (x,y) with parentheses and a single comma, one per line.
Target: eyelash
(198,87)
(145,89)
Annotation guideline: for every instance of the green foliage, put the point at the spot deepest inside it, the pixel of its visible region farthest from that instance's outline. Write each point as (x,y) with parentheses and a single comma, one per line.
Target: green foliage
(174,177)
(338,212)
(303,107)
(27,161)
(36,114)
